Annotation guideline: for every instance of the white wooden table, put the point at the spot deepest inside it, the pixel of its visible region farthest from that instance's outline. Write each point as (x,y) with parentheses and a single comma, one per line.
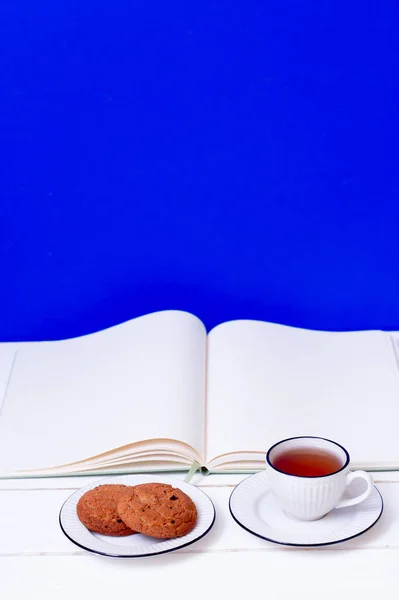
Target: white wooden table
(38,561)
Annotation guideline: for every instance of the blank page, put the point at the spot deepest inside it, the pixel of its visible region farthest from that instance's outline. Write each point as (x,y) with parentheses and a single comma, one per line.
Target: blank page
(267,382)
(70,400)
(7,358)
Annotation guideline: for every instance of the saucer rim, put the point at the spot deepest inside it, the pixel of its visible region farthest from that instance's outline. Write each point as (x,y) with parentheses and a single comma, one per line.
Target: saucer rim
(296,545)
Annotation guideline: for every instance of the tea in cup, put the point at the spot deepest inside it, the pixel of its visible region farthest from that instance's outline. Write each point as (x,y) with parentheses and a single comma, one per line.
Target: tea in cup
(309,475)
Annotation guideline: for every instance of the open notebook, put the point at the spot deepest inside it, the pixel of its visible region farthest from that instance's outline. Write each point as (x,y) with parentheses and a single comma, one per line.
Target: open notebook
(159,393)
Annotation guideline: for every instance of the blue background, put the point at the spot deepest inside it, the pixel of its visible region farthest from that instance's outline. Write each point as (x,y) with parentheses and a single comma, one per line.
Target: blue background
(237,160)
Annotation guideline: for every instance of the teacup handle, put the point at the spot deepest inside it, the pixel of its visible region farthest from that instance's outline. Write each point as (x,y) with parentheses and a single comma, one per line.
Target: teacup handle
(349,478)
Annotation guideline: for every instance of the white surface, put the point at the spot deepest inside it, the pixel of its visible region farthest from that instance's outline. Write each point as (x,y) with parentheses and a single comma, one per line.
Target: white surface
(136,545)
(38,562)
(254,507)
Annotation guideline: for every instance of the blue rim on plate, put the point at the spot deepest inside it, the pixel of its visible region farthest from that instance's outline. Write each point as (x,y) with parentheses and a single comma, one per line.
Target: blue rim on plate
(137,545)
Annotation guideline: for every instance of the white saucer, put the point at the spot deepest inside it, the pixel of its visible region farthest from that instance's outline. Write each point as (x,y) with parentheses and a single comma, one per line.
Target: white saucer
(254,507)
(135,545)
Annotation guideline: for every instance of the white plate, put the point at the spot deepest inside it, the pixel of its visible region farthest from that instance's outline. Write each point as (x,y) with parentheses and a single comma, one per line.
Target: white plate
(254,507)
(136,545)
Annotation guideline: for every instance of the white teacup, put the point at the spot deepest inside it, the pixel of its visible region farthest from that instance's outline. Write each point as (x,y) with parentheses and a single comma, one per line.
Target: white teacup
(310,497)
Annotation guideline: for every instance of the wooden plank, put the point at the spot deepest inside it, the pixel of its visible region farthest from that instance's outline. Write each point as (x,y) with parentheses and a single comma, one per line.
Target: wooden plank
(275,575)
(74,483)
(29,525)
